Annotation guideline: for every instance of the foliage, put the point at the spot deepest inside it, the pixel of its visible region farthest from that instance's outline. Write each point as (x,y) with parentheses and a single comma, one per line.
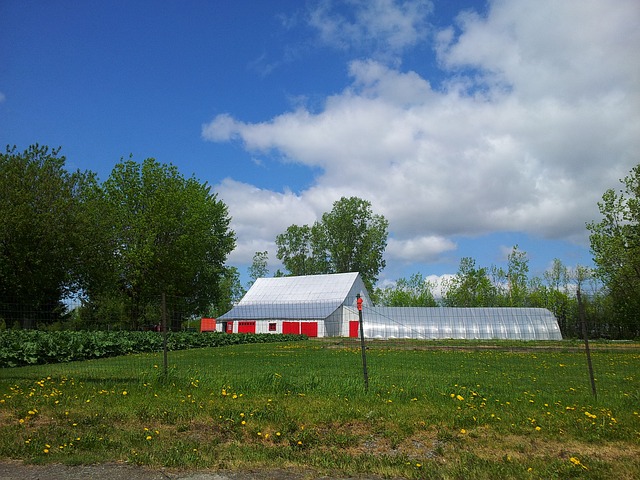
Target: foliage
(33,347)
(156,232)
(615,243)
(349,238)
(470,287)
(472,412)
(300,249)
(260,266)
(414,292)
(39,244)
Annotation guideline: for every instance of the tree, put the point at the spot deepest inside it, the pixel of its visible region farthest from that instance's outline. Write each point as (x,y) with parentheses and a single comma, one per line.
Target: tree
(299,249)
(39,244)
(414,292)
(355,239)
(517,270)
(470,287)
(259,268)
(157,233)
(231,291)
(349,238)
(615,244)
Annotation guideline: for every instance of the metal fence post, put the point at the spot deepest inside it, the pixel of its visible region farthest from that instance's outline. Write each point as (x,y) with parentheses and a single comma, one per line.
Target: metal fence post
(362,345)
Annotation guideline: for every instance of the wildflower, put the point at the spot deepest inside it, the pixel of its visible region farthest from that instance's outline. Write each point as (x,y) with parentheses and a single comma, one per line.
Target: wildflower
(463,431)
(460,397)
(577,463)
(538,429)
(149,437)
(124,393)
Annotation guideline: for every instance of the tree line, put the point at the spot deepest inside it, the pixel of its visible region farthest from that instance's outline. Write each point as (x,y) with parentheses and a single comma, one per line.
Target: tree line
(115,247)
(147,231)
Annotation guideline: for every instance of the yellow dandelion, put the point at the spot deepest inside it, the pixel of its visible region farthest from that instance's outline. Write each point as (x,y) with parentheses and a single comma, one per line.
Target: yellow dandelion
(149,437)
(460,397)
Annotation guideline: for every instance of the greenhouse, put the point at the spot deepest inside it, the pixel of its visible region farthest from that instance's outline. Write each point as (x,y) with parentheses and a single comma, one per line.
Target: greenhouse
(325,306)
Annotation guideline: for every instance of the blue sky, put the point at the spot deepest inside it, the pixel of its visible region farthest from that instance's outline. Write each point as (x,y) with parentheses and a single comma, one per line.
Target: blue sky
(471,126)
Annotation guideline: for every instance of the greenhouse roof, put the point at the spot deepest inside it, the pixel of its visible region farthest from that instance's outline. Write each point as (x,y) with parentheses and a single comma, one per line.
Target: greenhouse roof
(467,323)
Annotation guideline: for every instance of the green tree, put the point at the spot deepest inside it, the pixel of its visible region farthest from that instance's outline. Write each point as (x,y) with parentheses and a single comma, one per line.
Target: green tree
(470,287)
(39,243)
(300,250)
(517,276)
(231,291)
(412,292)
(260,266)
(157,233)
(349,238)
(615,244)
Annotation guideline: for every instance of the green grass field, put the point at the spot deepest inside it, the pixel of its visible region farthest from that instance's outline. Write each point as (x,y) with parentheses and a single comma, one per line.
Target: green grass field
(511,411)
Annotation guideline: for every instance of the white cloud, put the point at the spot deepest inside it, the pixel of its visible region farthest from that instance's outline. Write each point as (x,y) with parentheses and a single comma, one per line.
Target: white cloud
(384,27)
(528,140)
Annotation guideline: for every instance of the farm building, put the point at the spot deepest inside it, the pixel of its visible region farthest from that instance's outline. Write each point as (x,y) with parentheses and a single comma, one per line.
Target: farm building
(325,306)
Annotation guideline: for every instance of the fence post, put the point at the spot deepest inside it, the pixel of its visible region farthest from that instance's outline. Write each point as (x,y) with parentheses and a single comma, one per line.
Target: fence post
(164,333)
(583,323)
(362,345)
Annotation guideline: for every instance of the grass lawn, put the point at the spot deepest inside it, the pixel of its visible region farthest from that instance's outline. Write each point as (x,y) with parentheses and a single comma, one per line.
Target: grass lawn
(509,411)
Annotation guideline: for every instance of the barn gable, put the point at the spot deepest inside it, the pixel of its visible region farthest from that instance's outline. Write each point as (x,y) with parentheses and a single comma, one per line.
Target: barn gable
(306,298)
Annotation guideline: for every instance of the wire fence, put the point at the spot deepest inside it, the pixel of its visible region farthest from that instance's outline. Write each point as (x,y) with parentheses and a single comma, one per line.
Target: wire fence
(341,340)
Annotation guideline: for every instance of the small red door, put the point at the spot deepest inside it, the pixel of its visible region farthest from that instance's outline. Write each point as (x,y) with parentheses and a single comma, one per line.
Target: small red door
(291,328)
(247,327)
(229,327)
(354,328)
(309,328)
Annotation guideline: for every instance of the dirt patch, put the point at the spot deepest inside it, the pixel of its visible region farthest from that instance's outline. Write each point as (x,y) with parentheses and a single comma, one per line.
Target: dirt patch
(14,470)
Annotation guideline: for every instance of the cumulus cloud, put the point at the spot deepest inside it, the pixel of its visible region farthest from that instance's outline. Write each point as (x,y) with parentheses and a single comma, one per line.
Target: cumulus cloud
(537,117)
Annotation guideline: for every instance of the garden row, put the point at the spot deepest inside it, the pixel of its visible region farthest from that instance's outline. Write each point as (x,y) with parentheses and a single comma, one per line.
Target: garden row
(34,347)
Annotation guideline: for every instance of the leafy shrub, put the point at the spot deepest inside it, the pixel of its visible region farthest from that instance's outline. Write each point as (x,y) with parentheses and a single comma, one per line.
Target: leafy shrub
(33,347)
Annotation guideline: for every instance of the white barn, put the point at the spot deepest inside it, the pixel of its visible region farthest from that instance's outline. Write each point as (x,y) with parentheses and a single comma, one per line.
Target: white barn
(325,306)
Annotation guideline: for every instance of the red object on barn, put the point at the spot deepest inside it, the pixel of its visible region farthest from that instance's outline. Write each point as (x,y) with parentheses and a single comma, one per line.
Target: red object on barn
(208,325)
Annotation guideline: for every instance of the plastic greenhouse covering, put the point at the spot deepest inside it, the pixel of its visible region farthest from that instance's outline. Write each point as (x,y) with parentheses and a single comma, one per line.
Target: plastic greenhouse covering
(462,323)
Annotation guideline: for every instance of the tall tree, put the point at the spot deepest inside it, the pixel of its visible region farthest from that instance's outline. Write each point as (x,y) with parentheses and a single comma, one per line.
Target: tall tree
(39,211)
(300,250)
(161,233)
(260,266)
(470,287)
(615,244)
(412,292)
(517,275)
(349,238)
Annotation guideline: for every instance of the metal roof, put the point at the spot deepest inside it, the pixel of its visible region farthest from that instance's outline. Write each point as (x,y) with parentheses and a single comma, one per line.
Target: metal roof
(302,297)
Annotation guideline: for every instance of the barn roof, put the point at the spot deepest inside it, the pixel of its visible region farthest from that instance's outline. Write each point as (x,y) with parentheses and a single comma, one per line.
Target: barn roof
(303,297)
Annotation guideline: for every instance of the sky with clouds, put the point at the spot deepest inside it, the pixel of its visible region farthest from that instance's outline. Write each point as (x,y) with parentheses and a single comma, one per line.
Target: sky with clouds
(471,126)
